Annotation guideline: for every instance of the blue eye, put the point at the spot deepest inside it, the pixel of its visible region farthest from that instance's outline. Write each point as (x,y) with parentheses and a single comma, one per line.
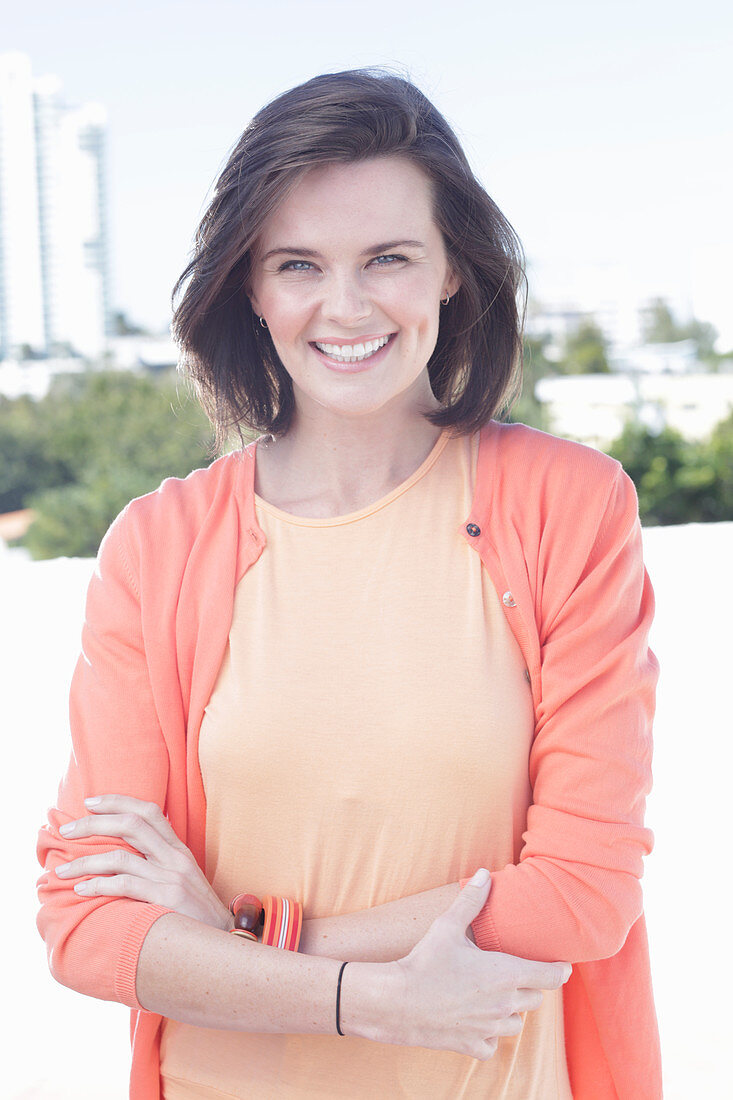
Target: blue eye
(295,265)
(388,261)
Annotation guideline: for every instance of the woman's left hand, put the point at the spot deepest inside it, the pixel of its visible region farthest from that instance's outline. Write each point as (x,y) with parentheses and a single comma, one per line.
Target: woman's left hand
(164,873)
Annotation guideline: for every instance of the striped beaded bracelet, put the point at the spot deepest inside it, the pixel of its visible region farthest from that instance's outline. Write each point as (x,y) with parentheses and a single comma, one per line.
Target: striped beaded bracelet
(282,922)
(281,919)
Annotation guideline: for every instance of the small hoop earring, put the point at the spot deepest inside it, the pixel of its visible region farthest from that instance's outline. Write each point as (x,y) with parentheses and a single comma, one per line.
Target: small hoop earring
(444,301)
(263,322)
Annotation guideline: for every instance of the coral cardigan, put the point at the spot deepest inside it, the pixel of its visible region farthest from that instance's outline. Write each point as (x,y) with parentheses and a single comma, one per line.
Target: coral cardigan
(556,526)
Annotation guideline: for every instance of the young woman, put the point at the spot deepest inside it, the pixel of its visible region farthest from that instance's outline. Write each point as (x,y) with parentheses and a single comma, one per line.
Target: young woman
(389,642)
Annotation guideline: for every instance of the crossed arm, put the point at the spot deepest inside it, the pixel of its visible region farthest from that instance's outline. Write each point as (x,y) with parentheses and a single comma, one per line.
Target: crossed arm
(166,873)
(415,976)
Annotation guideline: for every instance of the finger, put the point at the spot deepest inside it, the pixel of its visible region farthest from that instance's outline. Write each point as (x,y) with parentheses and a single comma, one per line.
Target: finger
(125,886)
(126,826)
(118,861)
(471,900)
(484,1049)
(148,811)
(539,975)
(528,1000)
(509,1025)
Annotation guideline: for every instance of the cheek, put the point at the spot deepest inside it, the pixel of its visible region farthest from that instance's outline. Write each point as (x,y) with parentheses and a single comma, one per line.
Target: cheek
(286,316)
(412,307)
(424,322)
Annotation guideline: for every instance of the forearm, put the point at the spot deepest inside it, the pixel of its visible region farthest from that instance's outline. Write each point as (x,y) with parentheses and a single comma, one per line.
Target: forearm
(445,995)
(199,975)
(381,934)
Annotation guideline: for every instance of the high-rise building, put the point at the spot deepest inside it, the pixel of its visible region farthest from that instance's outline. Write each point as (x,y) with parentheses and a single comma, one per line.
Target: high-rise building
(54,255)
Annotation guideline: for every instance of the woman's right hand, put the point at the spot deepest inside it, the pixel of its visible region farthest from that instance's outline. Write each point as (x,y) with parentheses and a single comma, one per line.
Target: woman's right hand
(447,994)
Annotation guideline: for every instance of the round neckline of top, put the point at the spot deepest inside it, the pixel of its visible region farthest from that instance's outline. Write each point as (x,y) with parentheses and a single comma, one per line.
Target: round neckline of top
(362,513)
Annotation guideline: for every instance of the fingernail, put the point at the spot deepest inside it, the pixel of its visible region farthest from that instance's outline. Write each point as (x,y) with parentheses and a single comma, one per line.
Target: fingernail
(62,869)
(568,971)
(82,887)
(69,828)
(480,878)
(94,801)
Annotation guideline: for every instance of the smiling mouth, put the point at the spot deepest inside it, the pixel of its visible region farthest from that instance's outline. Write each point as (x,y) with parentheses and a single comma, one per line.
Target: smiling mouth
(353,353)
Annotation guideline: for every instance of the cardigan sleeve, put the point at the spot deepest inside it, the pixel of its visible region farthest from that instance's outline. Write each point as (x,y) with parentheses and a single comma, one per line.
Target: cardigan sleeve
(117,747)
(575,892)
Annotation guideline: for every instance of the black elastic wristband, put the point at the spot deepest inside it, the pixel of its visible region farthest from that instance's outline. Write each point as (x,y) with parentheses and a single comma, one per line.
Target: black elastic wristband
(338,998)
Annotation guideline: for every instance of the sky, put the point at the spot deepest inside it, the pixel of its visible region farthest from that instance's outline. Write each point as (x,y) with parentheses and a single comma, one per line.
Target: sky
(603,131)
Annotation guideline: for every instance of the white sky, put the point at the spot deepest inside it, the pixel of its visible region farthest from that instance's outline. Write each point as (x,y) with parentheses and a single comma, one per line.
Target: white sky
(604,131)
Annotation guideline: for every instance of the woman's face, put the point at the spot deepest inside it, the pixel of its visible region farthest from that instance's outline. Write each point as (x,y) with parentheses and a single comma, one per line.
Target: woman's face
(348,275)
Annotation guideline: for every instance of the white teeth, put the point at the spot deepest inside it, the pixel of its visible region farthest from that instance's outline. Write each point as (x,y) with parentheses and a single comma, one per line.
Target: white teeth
(352,353)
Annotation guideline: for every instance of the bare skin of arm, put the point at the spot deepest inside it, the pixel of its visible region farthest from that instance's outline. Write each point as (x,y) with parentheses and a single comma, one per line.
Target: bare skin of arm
(445,994)
(202,976)
(414,977)
(381,934)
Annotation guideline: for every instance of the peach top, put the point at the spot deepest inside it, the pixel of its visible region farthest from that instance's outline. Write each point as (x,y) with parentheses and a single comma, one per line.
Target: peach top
(368,738)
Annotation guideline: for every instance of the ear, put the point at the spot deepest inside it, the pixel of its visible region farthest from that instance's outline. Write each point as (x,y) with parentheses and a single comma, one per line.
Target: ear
(253,302)
(453,283)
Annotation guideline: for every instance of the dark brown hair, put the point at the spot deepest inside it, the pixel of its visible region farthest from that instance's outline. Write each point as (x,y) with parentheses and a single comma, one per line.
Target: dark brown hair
(475,368)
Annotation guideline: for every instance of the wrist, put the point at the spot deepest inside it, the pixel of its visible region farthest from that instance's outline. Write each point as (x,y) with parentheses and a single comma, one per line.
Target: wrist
(370,997)
(226,920)
(308,939)
(316,938)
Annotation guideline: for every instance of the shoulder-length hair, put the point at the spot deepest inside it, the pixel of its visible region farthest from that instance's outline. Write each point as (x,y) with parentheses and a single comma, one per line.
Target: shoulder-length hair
(475,369)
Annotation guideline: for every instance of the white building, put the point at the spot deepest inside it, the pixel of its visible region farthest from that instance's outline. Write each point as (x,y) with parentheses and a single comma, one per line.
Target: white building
(21,289)
(677,358)
(54,269)
(594,408)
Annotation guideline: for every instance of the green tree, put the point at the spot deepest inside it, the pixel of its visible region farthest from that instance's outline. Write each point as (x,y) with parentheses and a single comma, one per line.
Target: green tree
(121,326)
(659,326)
(527,409)
(585,350)
(678,481)
(27,461)
(720,451)
(103,438)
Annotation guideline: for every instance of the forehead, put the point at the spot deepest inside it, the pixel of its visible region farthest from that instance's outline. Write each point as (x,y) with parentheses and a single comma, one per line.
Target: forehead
(382,198)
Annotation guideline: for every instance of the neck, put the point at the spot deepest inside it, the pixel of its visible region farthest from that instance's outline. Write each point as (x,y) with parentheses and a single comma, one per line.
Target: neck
(332,466)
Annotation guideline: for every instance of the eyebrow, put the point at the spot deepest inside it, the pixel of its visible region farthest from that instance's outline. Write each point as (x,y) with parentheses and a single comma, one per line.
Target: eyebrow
(386,246)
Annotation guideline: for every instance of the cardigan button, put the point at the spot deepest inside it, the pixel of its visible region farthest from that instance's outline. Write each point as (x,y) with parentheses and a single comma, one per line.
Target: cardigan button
(473,529)
(508,600)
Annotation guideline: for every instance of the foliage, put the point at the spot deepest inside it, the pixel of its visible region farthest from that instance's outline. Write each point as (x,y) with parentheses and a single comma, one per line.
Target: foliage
(720,451)
(679,481)
(95,441)
(27,459)
(527,409)
(584,351)
(121,326)
(659,326)
(99,439)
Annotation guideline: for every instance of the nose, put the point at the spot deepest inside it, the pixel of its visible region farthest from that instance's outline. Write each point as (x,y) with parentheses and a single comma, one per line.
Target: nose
(345,301)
